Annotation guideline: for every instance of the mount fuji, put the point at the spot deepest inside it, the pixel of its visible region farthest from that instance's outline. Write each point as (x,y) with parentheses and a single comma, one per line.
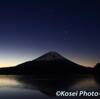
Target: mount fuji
(50,63)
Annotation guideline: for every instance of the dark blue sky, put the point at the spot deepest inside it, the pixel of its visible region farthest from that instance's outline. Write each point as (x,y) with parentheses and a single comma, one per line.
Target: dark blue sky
(29,29)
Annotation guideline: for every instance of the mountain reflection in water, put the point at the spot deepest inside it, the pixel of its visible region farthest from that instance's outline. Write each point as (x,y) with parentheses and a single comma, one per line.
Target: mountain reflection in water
(29,87)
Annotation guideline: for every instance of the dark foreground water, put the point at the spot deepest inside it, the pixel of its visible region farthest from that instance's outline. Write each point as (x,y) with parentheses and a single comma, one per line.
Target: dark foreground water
(29,87)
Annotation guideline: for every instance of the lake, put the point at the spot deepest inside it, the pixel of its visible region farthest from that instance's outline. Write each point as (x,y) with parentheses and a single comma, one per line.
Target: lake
(30,87)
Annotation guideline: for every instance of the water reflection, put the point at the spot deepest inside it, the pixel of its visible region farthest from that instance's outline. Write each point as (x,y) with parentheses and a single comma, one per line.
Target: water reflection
(9,81)
(30,87)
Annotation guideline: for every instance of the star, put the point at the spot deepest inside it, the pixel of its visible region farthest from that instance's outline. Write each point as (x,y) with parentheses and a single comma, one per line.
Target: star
(66,32)
(51,10)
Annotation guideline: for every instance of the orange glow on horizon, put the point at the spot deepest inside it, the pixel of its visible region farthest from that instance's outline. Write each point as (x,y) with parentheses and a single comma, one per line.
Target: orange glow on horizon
(15,63)
(11,62)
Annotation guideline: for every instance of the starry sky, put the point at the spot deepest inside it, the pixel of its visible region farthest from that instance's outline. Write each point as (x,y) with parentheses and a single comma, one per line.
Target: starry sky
(29,29)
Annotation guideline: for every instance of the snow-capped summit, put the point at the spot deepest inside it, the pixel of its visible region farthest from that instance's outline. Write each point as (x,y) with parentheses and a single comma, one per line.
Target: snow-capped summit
(50,56)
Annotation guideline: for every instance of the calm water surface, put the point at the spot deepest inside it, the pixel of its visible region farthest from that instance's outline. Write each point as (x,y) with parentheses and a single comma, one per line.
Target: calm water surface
(29,87)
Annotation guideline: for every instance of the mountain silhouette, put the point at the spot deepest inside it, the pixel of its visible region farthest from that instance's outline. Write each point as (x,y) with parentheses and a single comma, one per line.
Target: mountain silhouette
(50,56)
(96,68)
(50,63)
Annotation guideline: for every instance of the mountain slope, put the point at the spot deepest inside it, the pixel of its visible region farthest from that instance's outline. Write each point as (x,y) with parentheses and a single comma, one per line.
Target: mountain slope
(50,63)
(96,68)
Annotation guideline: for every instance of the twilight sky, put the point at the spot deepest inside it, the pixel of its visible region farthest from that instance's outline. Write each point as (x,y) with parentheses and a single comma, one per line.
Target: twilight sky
(29,29)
